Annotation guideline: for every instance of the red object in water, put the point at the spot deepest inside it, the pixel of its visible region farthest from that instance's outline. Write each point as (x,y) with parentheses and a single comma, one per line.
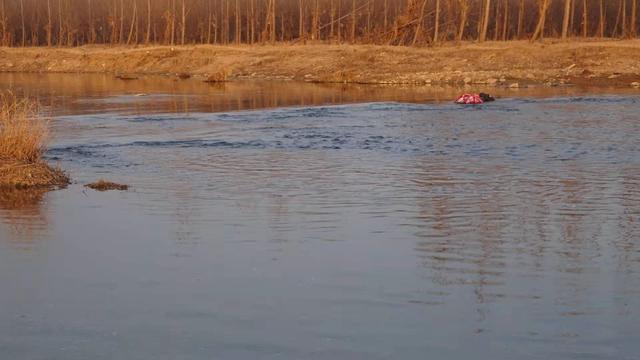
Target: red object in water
(469,99)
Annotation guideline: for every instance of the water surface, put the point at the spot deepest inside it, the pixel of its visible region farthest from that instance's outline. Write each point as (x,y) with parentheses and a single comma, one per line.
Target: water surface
(363,224)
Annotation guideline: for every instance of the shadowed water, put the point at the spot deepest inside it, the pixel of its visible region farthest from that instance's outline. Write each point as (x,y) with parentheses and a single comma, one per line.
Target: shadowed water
(378,230)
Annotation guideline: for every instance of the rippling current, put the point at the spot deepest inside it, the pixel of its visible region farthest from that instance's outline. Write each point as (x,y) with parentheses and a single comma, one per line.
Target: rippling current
(366,231)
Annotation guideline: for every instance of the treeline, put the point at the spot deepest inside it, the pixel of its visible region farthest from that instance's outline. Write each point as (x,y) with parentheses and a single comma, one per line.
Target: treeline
(398,22)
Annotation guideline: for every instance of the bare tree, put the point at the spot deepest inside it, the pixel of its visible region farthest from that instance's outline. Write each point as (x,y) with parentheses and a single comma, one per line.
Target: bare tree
(354,20)
(398,22)
(601,24)
(633,21)
(485,20)
(183,23)
(505,20)
(464,15)
(437,22)
(520,19)
(565,18)
(543,6)
(419,23)
(133,21)
(49,27)
(148,34)
(24,34)
(585,19)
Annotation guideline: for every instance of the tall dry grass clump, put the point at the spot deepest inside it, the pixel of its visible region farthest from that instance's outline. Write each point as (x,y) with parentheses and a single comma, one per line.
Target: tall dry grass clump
(23,136)
(23,140)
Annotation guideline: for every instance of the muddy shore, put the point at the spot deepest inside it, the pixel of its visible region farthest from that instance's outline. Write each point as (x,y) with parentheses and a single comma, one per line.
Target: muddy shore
(514,64)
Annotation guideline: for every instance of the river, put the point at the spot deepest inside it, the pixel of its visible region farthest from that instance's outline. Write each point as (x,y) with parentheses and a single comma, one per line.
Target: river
(307,221)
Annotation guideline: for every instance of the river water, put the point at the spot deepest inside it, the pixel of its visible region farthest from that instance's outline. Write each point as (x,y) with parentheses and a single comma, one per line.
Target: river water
(300,221)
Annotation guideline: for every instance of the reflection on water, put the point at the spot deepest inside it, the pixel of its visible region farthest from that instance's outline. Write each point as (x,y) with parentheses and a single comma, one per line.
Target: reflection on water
(21,213)
(76,94)
(366,231)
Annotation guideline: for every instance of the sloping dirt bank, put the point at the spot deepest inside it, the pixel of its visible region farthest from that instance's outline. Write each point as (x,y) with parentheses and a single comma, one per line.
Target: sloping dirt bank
(607,63)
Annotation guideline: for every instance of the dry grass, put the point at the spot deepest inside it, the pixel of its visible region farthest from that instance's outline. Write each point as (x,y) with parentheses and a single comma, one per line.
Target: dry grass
(23,136)
(103,185)
(23,140)
(523,62)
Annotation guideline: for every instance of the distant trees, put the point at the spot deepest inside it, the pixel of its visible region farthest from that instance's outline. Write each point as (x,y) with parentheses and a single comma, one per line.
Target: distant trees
(398,22)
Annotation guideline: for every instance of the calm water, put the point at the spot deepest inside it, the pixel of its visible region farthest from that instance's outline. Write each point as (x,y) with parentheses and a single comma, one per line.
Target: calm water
(375,226)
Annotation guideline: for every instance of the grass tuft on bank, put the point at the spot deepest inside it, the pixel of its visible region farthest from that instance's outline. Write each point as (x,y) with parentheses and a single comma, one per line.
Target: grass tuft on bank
(23,140)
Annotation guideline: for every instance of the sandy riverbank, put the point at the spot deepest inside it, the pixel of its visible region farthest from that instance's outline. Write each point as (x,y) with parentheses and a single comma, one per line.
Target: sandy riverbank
(598,63)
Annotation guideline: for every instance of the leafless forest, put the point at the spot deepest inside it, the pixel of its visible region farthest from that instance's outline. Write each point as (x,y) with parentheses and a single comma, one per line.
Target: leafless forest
(396,22)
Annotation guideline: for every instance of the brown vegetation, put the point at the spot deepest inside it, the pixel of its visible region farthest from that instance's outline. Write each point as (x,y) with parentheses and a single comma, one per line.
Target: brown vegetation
(491,63)
(23,137)
(102,185)
(399,22)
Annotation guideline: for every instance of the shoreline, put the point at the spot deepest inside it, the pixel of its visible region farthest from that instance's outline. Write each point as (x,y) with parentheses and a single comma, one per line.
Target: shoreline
(507,64)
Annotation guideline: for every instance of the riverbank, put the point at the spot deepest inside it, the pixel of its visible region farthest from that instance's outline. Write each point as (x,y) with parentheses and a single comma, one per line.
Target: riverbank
(515,63)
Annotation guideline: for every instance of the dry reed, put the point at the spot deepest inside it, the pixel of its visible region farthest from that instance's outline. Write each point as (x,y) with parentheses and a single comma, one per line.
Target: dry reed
(23,136)
(23,141)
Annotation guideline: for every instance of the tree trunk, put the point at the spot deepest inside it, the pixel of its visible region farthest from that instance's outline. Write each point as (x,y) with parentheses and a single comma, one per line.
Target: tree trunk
(485,20)
(300,19)
(333,19)
(24,33)
(184,23)
(269,33)
(505,21)
(253,21)
(133,21)
(386,14)
(572,18)
(521,19)
(148,35)
(601,24)
(121,37)
(339,21)
(238,23)
(3,25)
(542,9)
(419,25)
(633,22)
(437,22)
(225,21)
(624,18)
(49,24)
(585,17)
(497,20)
(273,19)
(353,21)
(565,19)
(92,29)
(464,14)
(315,21)
(60,28)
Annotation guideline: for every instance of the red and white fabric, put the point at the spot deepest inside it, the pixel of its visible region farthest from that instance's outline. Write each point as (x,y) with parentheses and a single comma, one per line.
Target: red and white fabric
(469,99)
